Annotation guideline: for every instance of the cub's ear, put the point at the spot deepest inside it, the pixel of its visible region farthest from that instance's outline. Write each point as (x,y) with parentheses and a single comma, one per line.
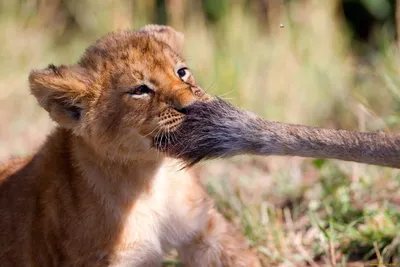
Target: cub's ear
(62,91)
(166,35)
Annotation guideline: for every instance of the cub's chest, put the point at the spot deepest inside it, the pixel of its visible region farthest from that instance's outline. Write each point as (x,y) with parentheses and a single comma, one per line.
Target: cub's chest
(167,216)
(140,241)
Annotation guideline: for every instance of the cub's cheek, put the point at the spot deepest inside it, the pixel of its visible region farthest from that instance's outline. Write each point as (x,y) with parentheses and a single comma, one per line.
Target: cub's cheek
(149,129)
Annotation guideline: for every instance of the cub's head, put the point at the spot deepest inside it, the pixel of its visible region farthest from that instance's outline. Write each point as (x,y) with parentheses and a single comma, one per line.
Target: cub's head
(128,88)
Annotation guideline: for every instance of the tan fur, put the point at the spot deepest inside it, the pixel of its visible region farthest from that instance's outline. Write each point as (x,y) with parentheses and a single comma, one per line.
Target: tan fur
(96,193)
(235,131)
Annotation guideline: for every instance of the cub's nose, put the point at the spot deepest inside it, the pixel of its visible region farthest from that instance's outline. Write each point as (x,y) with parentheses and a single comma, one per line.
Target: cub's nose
(181,103)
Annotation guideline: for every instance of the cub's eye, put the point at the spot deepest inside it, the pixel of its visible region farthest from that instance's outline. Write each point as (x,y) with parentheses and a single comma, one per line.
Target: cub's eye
(140,90)
(183,73)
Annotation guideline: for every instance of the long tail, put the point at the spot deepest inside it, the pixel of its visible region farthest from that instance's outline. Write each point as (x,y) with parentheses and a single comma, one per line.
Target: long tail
(218,129)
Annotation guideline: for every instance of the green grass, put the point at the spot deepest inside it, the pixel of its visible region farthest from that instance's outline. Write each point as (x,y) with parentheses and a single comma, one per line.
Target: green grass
(335,211)
(293,211)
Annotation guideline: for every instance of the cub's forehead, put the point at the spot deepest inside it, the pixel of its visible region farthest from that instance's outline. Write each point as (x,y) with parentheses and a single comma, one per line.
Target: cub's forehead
(128,46)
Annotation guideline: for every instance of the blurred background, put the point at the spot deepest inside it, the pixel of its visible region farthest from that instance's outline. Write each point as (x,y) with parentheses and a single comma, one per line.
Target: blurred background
(330,63)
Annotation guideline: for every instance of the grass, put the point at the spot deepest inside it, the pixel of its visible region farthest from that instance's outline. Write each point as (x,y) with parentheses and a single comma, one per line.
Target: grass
(293,211)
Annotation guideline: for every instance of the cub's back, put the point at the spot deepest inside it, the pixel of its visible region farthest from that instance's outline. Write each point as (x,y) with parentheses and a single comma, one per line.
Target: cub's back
(11,166)
(17,186)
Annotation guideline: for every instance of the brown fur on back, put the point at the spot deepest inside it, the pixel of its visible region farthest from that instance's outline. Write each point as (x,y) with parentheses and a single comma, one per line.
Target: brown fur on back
(97,193)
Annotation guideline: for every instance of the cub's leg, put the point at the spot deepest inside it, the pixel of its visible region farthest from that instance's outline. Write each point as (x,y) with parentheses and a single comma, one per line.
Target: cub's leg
(218,244)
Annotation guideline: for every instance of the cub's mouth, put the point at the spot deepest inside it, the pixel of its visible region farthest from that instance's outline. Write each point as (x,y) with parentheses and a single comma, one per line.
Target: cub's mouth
(169,122)
(176,127)
(208,129)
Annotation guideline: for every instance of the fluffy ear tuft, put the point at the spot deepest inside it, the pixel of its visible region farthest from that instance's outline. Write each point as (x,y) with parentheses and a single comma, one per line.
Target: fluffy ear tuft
(166,35)
(61,91)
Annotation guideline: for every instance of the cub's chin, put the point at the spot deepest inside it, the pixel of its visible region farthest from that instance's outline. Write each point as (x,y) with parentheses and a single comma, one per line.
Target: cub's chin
(162,143)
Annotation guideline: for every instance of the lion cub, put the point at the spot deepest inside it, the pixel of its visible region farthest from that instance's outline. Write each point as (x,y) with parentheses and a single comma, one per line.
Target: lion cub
(97,193)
